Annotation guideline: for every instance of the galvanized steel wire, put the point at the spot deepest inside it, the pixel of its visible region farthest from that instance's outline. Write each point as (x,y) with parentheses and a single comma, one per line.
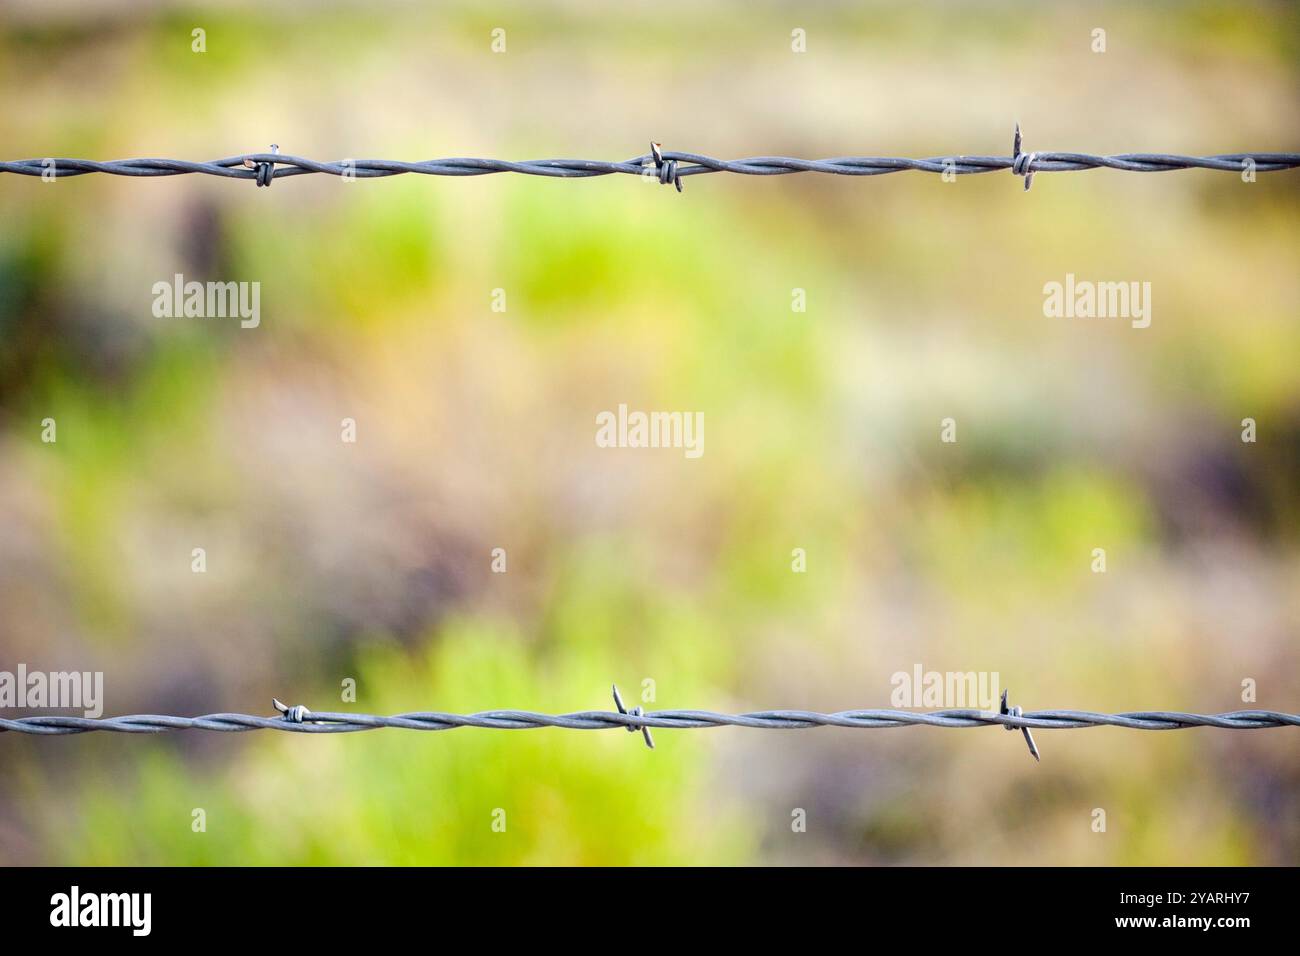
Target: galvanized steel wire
(300,720)
(666,166)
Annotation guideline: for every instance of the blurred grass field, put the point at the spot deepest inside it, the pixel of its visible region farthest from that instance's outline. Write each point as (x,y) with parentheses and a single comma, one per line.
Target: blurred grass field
(329,561)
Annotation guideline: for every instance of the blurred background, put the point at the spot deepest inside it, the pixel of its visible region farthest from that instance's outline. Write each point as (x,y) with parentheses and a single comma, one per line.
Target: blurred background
(329,561)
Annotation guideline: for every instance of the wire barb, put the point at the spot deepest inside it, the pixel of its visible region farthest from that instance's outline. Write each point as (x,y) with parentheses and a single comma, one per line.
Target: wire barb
(295,715)
(1017,712)
(265,170)
(1022,164)
(634,712)
(667,169)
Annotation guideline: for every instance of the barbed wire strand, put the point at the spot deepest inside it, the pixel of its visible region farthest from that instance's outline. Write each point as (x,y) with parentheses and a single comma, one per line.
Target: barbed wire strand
(666,166)
(299,719)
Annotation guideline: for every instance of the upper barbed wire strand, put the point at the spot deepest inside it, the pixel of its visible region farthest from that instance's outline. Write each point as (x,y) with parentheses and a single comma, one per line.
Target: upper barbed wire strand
(688,164)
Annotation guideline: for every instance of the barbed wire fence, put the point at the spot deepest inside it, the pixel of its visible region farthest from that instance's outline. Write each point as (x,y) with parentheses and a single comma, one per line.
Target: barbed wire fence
(668,168)
(665,166)
(301,720)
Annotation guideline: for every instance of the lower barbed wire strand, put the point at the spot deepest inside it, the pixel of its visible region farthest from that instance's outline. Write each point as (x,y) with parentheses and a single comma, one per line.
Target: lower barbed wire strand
(326,723)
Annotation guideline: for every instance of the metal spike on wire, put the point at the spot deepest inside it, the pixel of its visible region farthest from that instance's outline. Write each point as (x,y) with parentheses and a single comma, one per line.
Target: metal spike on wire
(299,719)
(668,167)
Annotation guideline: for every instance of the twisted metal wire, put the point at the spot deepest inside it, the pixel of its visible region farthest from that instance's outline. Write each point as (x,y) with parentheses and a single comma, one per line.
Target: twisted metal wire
(300,720)
(667,166)
(322,722)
